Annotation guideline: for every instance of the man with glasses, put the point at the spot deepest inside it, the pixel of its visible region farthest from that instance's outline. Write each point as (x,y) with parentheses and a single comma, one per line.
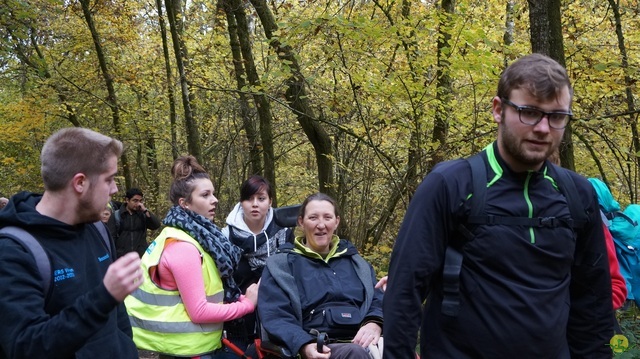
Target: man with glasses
(130,222)
(511,275)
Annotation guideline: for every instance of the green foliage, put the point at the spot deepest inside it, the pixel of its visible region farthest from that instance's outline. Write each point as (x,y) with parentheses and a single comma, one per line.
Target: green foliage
(629,320)
(370,70)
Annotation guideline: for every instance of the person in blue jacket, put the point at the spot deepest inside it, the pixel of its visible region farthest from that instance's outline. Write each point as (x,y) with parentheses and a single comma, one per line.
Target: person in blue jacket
(522,290)
(320,283)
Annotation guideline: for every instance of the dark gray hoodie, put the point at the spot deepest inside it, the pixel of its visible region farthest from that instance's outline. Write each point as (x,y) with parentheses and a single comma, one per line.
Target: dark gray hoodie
(78,318)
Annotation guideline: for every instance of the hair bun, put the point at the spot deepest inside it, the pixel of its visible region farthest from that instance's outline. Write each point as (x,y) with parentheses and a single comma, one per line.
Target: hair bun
(184,167)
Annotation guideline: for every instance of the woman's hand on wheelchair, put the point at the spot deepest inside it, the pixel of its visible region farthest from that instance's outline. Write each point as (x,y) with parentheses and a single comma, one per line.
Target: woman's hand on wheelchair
(310,351)
(368,334)
(252,293)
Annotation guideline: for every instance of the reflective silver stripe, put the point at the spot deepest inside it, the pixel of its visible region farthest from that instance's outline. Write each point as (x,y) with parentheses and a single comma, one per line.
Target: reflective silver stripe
(156,299)
(216,298)
(179,327)
(168,300)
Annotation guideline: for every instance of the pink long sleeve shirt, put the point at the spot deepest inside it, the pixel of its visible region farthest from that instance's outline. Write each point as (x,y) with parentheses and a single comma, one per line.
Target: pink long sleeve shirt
(181,268)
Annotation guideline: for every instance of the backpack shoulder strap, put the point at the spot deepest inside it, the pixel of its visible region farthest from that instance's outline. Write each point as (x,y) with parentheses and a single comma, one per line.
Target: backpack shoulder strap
(568,188)
(104,234)
(364,274)
(32,245)
(453,256)
(479,178)
(611,215)
(117,218)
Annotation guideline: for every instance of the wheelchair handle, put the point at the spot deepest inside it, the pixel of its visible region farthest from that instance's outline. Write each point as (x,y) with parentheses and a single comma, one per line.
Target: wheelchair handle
(286,216)
(321,339)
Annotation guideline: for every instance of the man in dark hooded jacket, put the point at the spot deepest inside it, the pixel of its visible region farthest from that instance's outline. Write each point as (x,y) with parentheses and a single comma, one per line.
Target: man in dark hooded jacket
(81,315)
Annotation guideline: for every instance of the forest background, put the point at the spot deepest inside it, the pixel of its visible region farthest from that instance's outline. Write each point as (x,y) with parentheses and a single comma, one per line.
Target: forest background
(359,99)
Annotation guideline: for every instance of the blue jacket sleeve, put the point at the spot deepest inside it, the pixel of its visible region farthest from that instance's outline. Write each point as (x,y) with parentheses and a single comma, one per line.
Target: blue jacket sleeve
(276,316)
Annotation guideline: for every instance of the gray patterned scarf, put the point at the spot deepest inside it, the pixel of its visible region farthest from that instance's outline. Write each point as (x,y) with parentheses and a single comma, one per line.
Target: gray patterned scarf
(208,235)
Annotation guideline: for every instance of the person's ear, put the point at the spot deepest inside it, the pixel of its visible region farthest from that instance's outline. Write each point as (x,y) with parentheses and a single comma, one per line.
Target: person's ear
(337,221)
(183,203)
(299,221)
(496,107)
(80,182)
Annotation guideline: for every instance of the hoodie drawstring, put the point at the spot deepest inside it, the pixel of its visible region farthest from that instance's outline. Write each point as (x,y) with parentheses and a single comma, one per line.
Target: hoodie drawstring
(255,242)
(267,236)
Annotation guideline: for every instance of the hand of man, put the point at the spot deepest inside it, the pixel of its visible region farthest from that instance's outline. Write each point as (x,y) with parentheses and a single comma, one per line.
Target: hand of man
(310,351)
(368,334)
(123,276)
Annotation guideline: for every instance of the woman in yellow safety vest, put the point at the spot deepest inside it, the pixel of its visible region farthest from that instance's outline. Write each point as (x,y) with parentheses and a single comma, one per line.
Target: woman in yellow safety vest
(189,290)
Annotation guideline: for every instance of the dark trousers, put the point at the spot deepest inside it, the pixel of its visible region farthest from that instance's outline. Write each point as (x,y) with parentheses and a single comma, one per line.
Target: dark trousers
(206,356)
(348,351)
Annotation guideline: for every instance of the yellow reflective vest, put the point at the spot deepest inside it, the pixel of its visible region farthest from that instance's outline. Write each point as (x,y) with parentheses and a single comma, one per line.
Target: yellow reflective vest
(158,316)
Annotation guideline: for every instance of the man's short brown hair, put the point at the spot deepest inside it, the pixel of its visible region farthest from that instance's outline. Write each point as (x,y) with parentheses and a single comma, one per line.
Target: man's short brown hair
(543,77)
(75,150)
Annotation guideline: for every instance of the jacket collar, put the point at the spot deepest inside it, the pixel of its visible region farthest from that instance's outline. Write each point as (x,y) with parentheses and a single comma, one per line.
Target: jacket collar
(335,251)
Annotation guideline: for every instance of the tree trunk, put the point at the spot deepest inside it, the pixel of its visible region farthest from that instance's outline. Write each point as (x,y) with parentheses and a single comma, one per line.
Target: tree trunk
(262,103)
(443,87)
(250,128)
(411,178)
(171,96)
(180,51)
(632,118)
(509,26)
(298,99)
(546,38)
(112,99)
(152,164)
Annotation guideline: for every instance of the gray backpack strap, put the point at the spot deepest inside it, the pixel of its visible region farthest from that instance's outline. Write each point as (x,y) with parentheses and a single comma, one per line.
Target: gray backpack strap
(364,274)
(279,268)
(104,234)
(117,219)
(32,245)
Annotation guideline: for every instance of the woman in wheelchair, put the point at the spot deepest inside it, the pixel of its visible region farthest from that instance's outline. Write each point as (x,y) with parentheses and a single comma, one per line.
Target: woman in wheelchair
(189,289)
(251,226)
(320,284)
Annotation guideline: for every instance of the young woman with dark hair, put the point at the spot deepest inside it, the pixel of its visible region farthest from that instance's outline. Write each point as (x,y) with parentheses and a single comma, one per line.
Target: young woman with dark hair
(251,226)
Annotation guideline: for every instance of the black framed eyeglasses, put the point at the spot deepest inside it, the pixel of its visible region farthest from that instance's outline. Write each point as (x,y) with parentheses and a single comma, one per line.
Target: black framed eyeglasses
(532,116)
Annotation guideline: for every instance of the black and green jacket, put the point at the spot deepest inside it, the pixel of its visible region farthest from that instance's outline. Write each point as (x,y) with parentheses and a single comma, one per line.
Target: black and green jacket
(525,292)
